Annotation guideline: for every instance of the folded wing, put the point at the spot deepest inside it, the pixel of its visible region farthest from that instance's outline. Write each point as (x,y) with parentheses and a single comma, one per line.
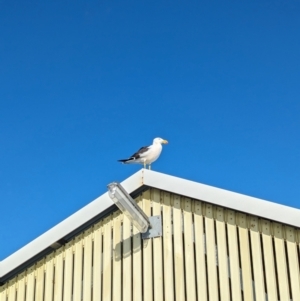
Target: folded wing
(136,157)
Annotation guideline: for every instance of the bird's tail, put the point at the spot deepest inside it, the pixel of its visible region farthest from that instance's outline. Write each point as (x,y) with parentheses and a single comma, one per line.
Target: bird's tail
(123,160)
(127,161)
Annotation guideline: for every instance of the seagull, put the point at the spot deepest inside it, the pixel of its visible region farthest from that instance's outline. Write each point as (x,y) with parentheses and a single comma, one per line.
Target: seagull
(146,154)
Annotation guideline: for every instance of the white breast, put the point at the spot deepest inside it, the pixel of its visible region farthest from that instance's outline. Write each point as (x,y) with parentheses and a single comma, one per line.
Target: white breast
(154,153)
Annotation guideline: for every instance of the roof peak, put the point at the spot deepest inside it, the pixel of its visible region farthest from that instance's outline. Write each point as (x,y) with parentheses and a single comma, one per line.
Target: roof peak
(102,205)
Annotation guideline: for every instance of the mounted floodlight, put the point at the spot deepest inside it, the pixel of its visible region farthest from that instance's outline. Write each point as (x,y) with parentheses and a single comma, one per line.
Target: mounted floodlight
(128,206)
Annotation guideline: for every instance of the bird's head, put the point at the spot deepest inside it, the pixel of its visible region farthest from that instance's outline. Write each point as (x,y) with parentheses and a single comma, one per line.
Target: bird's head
(160,140)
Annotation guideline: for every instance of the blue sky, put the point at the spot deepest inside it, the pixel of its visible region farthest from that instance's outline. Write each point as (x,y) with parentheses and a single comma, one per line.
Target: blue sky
(84,83)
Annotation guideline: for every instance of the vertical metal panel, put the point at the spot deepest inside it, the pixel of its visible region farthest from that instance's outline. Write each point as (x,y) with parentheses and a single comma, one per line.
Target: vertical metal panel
(256,249)
(178,250)
(21,287)
(126,256)
(137,262)
(189,250)
(200,252)
(293,261)
(107,246)
(245,256)
(68,272)
(269,260)
(157,251)
(3,292)
(168,248)
(77,276)
(222,254)
(281,262)
(117,257)
(49,278)
(59,276)
(39,287)
(97,262)
(233,256)
(87,265)
(30,284)
(211,253)
(147,254)
(11,289)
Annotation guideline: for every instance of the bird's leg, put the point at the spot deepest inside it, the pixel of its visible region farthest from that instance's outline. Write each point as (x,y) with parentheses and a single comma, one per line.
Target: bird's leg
(145,164)
(149,166)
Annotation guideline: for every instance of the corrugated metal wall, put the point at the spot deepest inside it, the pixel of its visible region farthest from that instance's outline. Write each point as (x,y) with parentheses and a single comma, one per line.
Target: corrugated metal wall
(206,253)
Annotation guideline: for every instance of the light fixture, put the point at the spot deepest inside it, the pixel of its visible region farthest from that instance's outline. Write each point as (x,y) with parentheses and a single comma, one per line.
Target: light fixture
(128,206)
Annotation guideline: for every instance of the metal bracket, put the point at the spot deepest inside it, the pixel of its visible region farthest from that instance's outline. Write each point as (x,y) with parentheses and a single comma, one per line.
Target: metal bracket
(155,229)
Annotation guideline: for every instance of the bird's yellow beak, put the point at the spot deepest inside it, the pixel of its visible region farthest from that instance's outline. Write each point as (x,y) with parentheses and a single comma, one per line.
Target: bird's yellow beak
(165,142)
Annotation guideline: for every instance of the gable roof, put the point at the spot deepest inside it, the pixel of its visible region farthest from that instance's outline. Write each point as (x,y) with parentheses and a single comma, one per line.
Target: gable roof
(142,180)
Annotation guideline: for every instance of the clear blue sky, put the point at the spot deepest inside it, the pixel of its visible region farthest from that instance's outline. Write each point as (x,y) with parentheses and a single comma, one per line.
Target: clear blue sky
(84,83)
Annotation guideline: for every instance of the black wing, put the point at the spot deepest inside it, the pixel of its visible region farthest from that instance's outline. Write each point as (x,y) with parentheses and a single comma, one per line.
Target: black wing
(136,155)
(139,152)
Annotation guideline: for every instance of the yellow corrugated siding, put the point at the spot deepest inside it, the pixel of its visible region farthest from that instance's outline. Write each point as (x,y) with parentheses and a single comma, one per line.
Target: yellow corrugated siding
(206,253)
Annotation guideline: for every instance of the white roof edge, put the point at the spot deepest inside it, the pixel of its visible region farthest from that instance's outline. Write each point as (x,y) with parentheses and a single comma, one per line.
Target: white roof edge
(224,198)
(217,196)
(65,227)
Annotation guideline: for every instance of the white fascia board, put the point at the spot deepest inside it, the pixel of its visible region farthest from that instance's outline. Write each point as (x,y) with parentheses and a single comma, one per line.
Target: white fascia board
(65,227)
(220,197)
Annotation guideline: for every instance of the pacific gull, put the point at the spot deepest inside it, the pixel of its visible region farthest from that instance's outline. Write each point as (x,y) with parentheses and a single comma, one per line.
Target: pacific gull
(146,154)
